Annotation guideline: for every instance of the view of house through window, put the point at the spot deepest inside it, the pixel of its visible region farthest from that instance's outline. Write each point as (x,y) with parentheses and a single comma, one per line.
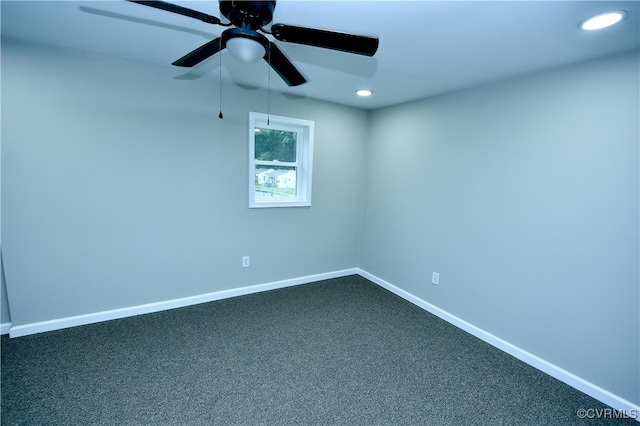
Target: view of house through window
(275,162)
(280,161)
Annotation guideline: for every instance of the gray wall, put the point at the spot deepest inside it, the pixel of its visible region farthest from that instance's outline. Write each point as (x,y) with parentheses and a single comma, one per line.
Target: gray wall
(523,195)
(5,313)
(122,187)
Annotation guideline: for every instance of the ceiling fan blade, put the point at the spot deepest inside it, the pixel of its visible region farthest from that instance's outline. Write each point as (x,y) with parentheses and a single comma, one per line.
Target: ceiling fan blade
(283,66)
(345,42)
(201,53)
(169,7)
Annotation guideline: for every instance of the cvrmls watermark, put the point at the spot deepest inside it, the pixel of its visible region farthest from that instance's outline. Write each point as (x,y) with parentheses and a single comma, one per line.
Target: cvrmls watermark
(606,413)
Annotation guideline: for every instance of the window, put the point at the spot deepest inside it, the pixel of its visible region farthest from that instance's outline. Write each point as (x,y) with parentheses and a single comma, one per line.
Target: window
(280,160)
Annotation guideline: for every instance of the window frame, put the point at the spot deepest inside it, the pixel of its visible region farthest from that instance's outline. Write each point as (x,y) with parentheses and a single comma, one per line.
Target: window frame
(303,164)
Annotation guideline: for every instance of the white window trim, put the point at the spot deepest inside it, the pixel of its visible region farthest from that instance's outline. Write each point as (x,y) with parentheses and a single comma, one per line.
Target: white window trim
(303,164)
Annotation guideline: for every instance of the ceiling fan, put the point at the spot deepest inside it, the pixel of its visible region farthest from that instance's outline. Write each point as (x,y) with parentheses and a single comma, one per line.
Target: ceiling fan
(246,43)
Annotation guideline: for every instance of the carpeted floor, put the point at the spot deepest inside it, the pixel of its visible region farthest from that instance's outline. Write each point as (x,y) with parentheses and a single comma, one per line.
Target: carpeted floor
(335,352)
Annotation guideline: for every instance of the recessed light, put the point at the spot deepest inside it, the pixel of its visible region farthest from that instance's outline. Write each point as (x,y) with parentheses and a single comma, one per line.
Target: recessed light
(603,20)
(363,92)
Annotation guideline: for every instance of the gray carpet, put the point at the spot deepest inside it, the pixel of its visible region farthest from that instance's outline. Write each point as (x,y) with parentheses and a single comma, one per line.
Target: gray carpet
(335,352)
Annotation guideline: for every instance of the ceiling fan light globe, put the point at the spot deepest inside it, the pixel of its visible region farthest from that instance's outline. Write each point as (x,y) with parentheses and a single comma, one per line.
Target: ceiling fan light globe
(245,49)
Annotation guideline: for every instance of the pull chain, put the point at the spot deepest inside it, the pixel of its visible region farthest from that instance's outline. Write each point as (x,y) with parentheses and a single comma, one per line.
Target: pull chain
(269,88)
(220,93)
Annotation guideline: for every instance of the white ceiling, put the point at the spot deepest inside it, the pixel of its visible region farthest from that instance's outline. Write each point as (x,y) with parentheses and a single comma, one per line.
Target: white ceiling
(426,47)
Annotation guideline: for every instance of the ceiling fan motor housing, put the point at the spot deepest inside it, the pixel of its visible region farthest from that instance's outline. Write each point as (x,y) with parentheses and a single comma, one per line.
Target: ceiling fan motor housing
(251,15)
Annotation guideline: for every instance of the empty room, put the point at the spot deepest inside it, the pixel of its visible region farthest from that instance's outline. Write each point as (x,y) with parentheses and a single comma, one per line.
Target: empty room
(320,212)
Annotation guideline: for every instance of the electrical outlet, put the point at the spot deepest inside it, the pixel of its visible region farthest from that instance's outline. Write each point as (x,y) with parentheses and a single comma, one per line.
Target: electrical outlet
(245,261)
(435,278)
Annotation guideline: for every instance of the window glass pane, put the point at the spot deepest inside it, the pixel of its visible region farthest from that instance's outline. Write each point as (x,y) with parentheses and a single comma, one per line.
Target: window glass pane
(275,145)
(274,182)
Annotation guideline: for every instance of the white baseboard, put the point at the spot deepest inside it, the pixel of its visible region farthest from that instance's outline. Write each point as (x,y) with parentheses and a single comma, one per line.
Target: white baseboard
(60,323)
(5,328)
(612,400)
